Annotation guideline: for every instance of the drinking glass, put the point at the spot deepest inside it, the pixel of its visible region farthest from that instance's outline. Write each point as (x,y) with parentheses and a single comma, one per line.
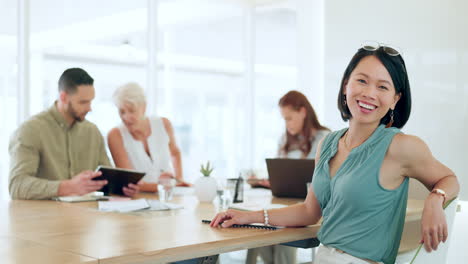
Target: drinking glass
(166,189)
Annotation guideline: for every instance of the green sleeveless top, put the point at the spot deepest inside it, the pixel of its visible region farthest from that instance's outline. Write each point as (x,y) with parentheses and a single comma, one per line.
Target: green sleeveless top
(360,216)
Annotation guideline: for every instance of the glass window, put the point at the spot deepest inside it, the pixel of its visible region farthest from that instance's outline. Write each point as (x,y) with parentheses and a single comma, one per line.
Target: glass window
(275,75)
(107,40)
(202,87)
(201,75)
(8,87)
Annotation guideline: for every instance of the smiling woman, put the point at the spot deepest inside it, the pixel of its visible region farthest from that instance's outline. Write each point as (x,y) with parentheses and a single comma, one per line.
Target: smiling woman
(360,183)
(390,80)
(372,94)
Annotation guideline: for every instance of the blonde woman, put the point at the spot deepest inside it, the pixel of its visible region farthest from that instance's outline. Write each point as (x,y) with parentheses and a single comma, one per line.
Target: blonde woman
(144,143)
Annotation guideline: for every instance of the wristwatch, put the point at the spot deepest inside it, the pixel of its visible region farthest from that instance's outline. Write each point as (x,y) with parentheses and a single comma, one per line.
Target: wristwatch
(441,193)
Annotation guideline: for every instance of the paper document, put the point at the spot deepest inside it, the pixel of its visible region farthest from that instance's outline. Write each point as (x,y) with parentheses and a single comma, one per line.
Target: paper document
(123,206)
(93,196)
(156,205)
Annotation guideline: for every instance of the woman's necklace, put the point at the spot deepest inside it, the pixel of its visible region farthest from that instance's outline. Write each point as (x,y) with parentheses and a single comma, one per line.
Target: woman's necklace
(346,144)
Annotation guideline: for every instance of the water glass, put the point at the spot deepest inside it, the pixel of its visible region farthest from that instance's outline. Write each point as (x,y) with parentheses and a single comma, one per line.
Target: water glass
(166,189)
(223,199)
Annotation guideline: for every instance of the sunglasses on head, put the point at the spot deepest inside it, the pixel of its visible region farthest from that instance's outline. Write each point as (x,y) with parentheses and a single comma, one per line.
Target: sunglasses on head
(373,46)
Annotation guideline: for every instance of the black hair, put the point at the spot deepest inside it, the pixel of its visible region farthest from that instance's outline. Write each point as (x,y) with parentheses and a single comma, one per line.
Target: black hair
(72,78)
(395,66)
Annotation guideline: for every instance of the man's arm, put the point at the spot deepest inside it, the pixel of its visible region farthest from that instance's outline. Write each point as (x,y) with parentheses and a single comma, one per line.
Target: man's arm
(24,164)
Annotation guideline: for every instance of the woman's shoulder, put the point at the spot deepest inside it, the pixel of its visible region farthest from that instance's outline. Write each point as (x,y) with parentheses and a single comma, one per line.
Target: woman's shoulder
(114,138)
(406,140)
(407,147)
(162,127)
(114,133)
(160,120)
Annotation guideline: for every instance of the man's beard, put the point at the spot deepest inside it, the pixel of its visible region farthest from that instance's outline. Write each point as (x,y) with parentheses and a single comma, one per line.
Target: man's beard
(72,112)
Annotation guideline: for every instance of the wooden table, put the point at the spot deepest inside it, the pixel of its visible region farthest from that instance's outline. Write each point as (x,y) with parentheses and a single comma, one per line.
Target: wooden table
(77,232)
(18,251)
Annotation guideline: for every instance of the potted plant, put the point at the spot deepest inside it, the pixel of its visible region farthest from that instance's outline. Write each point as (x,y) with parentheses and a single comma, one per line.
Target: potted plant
(205,186)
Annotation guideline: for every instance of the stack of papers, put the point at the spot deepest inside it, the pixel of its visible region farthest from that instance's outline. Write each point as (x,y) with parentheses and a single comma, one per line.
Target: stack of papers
(136,205)
(156,205)
(93,196)
(123,206)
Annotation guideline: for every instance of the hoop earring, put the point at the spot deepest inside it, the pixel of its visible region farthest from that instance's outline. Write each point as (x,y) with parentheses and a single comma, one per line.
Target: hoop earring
(389,124)
(344,100)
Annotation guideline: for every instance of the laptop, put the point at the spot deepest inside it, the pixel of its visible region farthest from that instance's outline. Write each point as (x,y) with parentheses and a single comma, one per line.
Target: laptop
(289,177)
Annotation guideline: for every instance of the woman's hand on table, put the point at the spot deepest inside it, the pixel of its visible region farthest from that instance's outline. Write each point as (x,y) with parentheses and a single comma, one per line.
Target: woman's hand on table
(235,217)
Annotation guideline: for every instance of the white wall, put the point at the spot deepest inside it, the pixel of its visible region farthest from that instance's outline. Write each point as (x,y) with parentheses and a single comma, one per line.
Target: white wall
(432,36)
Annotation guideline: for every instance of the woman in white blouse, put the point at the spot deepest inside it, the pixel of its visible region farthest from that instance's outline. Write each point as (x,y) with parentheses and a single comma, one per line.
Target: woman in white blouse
(144,143)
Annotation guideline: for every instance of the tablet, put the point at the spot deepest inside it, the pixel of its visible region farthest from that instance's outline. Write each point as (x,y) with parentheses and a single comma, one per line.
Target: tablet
(117,179)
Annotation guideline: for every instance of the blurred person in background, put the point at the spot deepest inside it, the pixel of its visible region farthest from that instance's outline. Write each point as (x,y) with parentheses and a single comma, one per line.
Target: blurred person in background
(299,141)
(144,143)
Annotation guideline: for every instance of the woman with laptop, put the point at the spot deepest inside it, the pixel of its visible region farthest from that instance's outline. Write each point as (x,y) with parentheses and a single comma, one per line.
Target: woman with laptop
(143,143)
(303,130)
(360,184)
(299,141)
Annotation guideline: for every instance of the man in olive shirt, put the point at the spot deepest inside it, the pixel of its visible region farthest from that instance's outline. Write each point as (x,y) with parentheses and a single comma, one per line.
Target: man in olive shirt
(54,152)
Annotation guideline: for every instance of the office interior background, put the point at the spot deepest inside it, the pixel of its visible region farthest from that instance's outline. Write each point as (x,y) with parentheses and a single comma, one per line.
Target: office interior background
(217,68)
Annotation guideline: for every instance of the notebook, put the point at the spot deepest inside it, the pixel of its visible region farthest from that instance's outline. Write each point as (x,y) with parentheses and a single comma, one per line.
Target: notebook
(255,226)
(289,177)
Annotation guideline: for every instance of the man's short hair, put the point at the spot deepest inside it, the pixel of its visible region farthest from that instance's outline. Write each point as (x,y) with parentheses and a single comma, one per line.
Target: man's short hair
(72,78)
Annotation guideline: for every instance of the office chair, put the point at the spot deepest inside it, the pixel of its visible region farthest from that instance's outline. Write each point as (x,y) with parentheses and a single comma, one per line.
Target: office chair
(420,255)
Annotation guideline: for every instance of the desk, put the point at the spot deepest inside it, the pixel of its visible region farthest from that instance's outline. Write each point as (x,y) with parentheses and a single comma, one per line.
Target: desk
(80,231)
(18,251)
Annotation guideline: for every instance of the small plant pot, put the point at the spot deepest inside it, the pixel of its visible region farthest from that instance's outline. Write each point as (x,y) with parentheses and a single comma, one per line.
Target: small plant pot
(205,189)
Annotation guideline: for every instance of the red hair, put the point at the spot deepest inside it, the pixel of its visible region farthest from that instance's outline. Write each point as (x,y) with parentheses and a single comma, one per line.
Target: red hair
(296,100)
